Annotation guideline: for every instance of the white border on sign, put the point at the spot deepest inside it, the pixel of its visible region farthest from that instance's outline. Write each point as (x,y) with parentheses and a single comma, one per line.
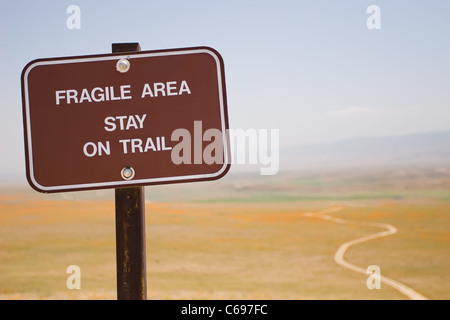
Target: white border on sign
(124,182)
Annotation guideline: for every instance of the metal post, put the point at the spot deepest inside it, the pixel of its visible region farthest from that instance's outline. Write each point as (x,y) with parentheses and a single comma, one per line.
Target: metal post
(130,230)
(130,244)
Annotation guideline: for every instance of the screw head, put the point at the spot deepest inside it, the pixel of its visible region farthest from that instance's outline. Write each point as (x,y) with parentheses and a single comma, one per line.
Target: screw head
(127,173)
(123,65)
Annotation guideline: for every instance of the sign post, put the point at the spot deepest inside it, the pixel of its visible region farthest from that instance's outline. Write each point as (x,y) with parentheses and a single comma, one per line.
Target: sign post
(130,244)
(130,230)
(125,120)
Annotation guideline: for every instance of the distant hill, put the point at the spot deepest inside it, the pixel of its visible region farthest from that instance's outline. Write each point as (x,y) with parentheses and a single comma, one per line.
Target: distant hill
(415,149)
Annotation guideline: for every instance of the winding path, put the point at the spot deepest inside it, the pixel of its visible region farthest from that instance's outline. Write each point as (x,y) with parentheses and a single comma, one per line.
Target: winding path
(339,255)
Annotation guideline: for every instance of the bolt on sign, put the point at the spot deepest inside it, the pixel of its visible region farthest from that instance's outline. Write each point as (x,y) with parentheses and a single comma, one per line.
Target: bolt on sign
(125,119)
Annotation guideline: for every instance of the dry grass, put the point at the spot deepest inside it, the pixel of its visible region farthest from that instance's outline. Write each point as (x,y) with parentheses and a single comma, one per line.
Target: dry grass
(222,250)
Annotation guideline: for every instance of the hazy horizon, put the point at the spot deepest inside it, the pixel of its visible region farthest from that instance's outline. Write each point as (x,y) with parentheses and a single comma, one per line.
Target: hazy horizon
(425,149)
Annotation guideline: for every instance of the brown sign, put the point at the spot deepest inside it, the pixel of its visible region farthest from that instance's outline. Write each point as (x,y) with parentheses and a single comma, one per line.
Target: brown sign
(125,119)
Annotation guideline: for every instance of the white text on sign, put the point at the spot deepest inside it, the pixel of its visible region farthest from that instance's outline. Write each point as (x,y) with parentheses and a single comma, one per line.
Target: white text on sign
(123,92)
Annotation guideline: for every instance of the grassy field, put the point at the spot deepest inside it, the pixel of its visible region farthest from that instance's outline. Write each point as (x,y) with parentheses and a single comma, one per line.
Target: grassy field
(242,237)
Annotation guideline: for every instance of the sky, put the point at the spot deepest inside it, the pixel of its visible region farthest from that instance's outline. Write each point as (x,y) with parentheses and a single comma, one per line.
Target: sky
(310,68)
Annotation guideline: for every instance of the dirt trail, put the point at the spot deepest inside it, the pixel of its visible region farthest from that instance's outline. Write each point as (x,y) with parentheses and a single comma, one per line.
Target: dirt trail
(339,255)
